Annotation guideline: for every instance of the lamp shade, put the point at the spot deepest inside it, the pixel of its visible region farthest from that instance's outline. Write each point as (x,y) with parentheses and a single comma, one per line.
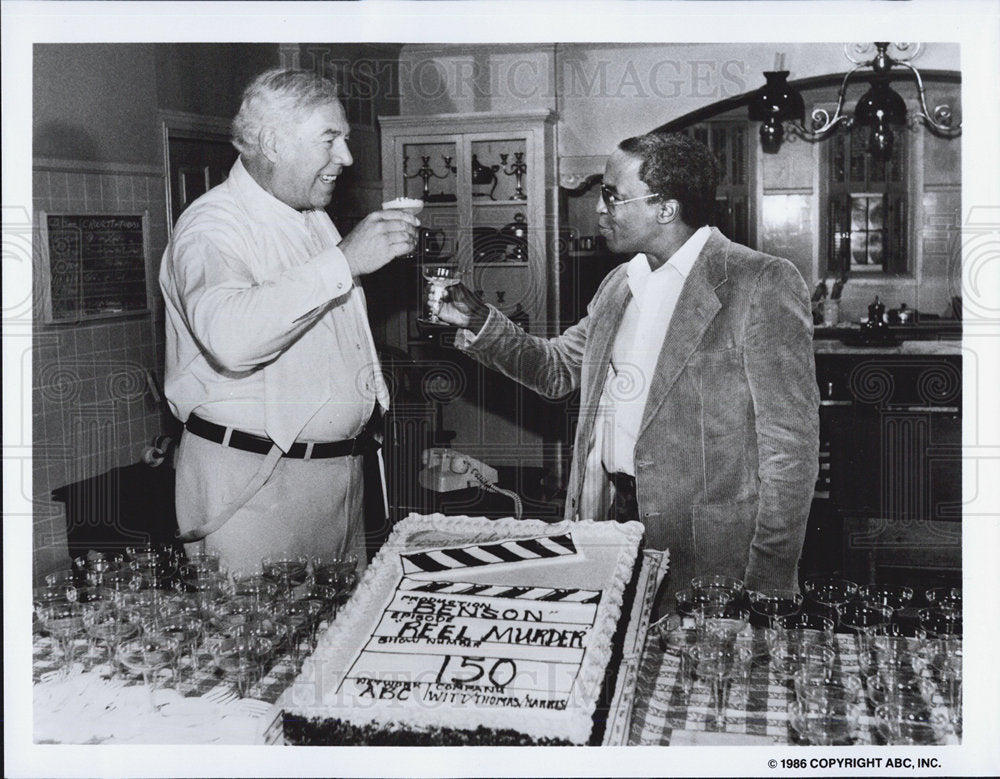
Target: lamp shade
(777,99)
(880,105)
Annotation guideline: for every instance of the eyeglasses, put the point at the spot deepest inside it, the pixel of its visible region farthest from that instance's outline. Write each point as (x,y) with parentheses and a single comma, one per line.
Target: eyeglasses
(612,201)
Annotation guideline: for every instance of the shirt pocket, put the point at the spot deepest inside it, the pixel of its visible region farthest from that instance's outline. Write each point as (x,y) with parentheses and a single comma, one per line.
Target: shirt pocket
(722,536)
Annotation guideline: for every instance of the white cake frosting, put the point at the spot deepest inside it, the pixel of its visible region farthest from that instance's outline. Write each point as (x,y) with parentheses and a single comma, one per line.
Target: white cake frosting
(545,643)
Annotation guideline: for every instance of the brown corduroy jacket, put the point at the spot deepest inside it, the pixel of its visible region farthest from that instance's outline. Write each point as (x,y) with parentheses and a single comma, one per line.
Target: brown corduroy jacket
(727,453)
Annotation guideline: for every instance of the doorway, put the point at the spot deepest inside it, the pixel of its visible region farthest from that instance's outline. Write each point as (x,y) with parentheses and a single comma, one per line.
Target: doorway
(197,156)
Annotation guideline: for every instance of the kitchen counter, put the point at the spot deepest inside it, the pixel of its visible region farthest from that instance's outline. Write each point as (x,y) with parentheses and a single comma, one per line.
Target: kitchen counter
(833,346)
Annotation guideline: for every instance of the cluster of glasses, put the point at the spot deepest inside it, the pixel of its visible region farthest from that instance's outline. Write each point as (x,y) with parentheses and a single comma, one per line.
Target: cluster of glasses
(156,615)
(910,670)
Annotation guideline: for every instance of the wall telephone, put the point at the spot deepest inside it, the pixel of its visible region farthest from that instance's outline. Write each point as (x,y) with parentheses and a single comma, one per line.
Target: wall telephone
(446,470)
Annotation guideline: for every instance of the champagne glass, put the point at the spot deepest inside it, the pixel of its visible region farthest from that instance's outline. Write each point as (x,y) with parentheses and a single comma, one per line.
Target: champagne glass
(254,586)
(861,619)
(945,666)
(945,599)
(109,625)
(828,718)
(186,630)
(438,278)
(808,627)
(287,571)
(718,664)
(901,724)
(335,571)
(912,691)
(240,659)
(63,578)
(205,584)
(210,562)
(64,622)
(724,591)
(940,624)
(831,592)
(769,604)
(147,656)
(892,596)
(790,654)
(297,616)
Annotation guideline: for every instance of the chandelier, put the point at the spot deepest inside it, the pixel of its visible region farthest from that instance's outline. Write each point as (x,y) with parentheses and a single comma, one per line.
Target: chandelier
(778,104)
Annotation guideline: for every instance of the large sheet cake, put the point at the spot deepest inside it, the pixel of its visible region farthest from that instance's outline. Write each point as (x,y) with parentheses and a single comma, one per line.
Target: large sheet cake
(466,630)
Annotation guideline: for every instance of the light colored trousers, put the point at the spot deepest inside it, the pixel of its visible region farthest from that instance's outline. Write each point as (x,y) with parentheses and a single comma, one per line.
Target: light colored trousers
(306,507)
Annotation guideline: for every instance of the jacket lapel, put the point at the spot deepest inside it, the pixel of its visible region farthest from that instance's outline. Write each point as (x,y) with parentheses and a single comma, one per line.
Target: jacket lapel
(604,326)
(696,308)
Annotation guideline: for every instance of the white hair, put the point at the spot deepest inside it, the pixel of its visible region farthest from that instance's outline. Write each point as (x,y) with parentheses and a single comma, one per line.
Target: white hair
(275,97)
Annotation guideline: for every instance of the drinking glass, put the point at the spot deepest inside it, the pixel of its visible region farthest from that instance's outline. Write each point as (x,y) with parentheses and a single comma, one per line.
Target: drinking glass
(945,599)
(147,656)
(899,657)
(287,571)
(438,278)
(254,586)
(717,666)
(64,622)
(186,630)
(52,593)
(912,691)
(891,596)
(861,619)
(830,591)
(940,623)
(769,604)
(205,584)
(240,659)
(790,654)
(340,572)
(945,666)
(807,626)
(64,578)
(209,562)
(900,629)
(826,721)
(712,627)
(814,686)
(298,617)
(94,566)
(718,589)
(901,724)
(109,625)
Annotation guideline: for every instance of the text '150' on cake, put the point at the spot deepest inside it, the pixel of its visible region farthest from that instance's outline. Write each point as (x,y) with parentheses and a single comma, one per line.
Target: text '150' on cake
(466,631)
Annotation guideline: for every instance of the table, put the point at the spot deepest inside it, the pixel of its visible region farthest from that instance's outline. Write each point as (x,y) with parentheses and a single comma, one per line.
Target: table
(648,706)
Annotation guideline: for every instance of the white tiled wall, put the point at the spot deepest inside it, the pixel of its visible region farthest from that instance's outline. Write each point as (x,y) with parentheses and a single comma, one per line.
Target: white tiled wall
(91,408)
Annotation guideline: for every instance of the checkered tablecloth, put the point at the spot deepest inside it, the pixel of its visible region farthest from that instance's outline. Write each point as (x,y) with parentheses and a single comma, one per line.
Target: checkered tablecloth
(652,708)
(660,707)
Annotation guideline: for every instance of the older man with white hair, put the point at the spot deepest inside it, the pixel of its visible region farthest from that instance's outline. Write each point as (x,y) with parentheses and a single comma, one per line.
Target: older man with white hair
(270,361)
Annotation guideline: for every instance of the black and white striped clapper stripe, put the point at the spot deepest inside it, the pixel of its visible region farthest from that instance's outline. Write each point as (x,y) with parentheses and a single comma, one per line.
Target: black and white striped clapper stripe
(569,595)
(516,551)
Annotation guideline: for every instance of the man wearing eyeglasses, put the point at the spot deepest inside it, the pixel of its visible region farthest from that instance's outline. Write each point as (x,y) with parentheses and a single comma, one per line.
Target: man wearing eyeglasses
(699,405)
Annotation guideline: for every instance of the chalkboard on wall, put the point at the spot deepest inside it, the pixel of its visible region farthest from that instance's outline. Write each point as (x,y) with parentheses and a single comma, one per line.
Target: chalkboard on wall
(95,265)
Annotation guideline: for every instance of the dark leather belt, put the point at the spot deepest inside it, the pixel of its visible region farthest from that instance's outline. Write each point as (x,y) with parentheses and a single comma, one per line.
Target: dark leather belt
(248,442)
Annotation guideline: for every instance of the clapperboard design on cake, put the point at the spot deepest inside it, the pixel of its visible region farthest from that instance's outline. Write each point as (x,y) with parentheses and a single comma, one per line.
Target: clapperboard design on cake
(521,550)
(548,594)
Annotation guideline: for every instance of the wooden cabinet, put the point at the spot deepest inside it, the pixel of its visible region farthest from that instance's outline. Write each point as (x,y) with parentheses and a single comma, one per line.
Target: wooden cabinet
(488,182)
(892,439)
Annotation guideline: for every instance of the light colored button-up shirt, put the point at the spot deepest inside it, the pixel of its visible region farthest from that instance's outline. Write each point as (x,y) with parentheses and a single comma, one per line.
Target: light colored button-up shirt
(637,348)
(266,330)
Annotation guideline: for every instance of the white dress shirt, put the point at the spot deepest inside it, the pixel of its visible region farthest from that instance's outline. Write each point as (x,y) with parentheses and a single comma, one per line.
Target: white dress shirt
(637,347)
(266,330)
